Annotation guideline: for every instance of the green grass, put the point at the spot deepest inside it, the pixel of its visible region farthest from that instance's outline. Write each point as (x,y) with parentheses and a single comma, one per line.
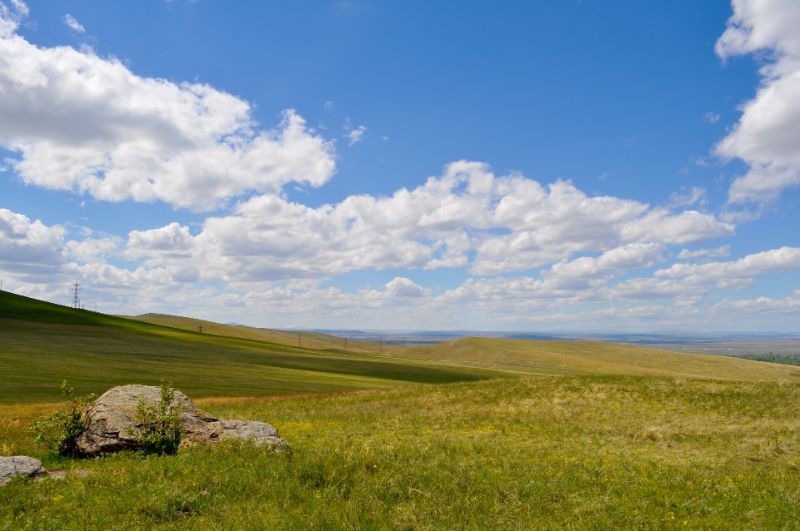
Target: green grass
(312,340)
(41,344)
(563,452)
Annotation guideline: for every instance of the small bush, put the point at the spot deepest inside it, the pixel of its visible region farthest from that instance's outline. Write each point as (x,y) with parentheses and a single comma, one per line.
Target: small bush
(59,432)
(158,428)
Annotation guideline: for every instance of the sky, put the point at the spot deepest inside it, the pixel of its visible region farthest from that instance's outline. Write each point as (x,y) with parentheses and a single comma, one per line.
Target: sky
(554,166)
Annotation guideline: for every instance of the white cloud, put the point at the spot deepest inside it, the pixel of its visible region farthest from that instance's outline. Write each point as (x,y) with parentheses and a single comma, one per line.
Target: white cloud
(405,287)
(173,240)
(738,272)
(73,24)
(767,136)
(711,117)
(119,136)
(694,280)
(30,249)
(354,136)
(769,305)
(93,249)
(716,252)
(590,272)
(11,16)
(468,217)
(684,198)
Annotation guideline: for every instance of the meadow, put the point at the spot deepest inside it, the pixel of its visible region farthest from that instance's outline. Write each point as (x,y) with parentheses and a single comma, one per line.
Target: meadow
(577,437)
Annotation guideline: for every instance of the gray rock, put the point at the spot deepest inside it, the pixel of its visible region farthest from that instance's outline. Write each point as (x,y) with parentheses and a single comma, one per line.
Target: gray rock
(111,427)
(19,465)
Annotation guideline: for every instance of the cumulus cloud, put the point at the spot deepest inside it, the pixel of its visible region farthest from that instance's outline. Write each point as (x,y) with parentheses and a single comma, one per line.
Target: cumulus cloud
(30,248)
(692,279)
(467,217)
(73,24)
(769,305)
(92,249)
(119,136)
(172,240)
(767,136)
(405,287)
(738,272)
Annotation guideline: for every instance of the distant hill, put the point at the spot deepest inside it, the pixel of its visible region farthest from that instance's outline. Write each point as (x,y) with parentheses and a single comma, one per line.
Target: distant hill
(587,357)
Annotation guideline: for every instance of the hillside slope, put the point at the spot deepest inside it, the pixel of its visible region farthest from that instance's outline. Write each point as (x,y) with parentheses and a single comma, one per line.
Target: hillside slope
(313,340)
(42,343)
(583,357)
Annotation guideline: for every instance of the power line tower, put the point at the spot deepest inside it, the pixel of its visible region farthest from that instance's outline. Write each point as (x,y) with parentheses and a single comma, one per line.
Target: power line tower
(76,300)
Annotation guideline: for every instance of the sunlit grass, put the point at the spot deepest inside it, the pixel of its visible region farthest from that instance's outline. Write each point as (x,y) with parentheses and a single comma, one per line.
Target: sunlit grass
(578,452)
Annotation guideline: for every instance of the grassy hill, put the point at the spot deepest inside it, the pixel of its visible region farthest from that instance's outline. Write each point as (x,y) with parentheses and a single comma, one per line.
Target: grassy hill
(42,343)
(312,340)
(583,357)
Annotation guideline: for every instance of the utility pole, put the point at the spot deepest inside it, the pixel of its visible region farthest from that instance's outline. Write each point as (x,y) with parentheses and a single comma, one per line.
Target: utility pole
(299,339)
(345,343)
(76,301)
(200,329)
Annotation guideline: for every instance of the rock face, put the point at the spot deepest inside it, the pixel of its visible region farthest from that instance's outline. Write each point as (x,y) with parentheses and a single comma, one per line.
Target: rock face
(19,465)
(111,423)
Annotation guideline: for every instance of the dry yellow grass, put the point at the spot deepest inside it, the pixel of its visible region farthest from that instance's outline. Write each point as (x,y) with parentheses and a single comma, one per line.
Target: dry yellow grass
(583,357)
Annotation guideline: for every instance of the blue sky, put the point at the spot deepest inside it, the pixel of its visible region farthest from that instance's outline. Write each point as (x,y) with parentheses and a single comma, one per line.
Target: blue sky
(577,166)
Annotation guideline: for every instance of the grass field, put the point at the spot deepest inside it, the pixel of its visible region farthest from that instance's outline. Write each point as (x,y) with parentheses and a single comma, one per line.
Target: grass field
(567,452)
(504,435)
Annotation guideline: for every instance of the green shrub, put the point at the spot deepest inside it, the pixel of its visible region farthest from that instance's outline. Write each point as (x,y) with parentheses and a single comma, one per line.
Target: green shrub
(59,432)
(158,428)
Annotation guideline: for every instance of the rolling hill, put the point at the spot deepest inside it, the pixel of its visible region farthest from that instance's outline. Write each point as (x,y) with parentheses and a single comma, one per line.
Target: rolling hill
(306,339)
(587,357)
(42,343)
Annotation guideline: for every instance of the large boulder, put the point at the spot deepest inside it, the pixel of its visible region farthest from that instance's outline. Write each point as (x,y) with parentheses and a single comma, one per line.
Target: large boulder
(19,465)
(111,425)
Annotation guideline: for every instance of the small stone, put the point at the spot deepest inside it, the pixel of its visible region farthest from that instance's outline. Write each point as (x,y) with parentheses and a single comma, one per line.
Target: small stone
(19,465)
